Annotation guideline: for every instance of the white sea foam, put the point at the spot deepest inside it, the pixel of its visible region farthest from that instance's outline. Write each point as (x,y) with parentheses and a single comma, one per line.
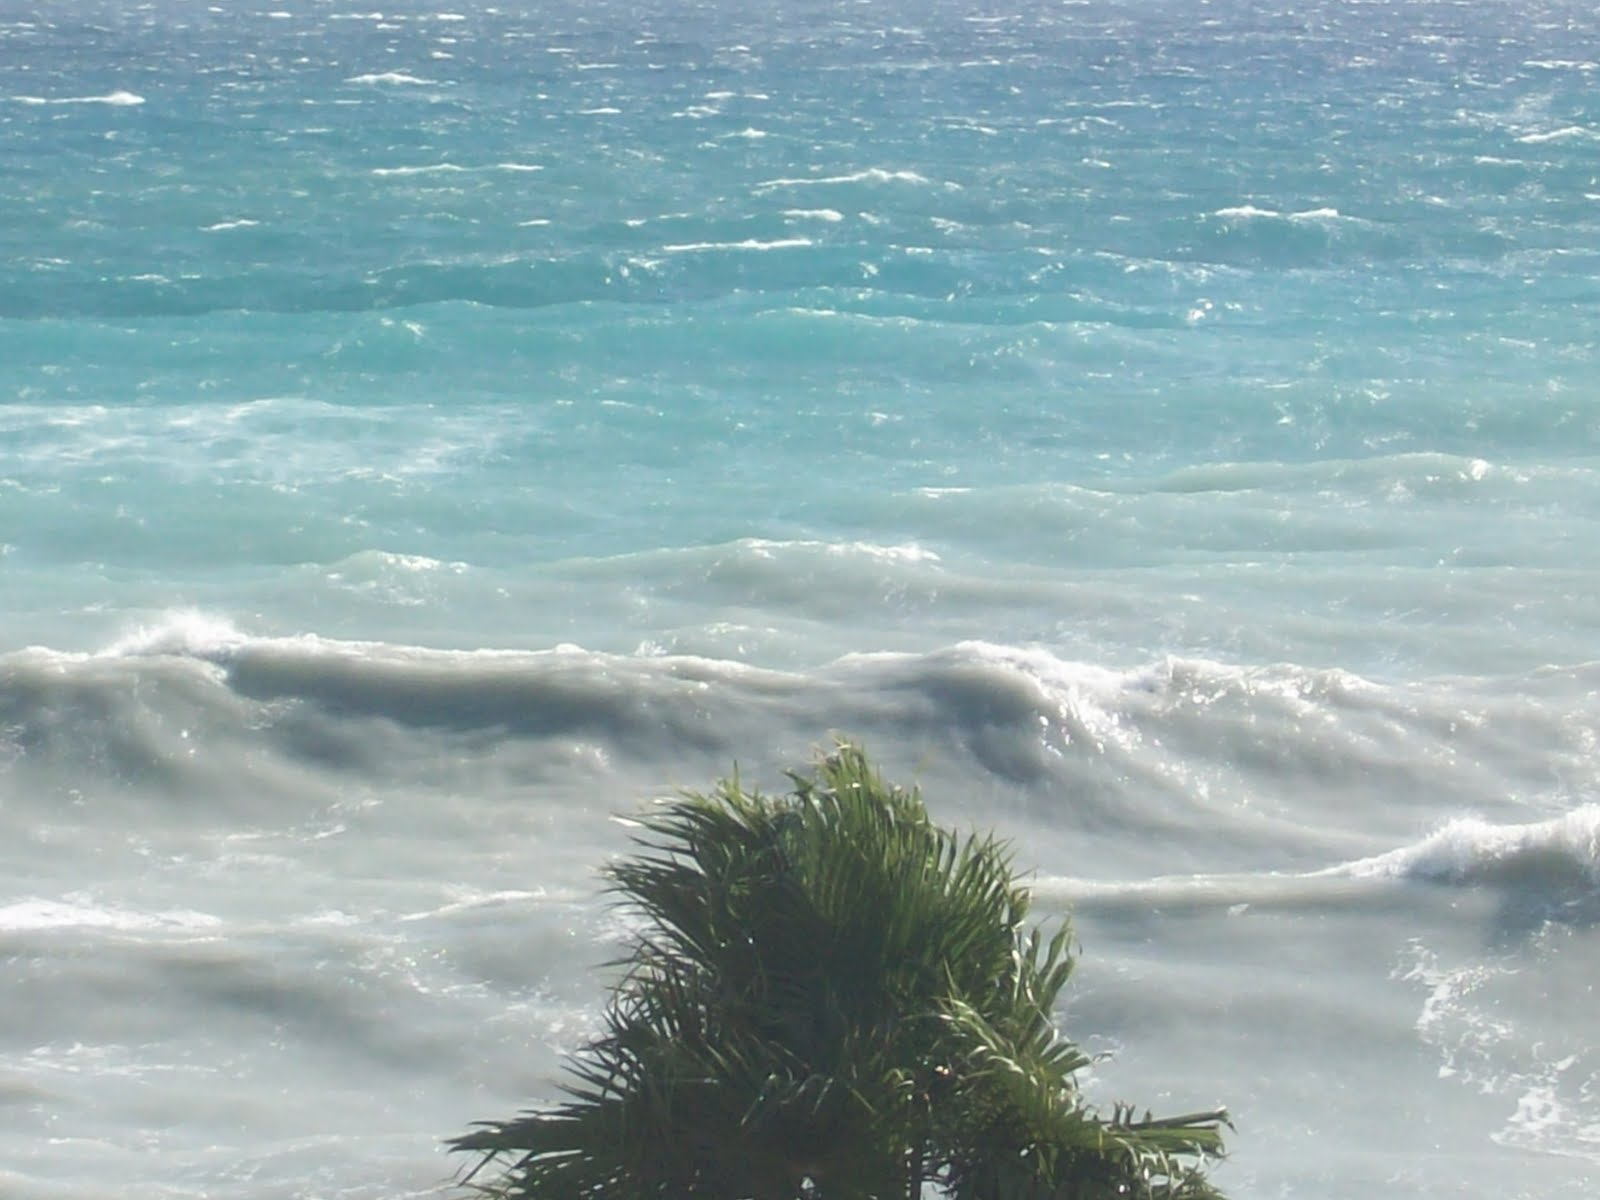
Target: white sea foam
(1567,133)
(871,175)
(189,633)
(76,912)
(1249,212)
(747,244)
(1053,702)
(450,168)
(420,563)
(114,99)
(395,458)
(470,900)
(405,580)
(1533,1059)
(394,78)
(445,168)
(909,552)
(1468,850)
(224,226)
(1556,855)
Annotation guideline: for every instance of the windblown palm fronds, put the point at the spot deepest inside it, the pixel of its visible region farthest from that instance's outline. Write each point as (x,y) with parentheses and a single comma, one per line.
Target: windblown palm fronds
(832,999)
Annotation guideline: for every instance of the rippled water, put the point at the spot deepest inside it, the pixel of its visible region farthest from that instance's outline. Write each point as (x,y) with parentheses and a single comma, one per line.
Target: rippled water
(1168,432)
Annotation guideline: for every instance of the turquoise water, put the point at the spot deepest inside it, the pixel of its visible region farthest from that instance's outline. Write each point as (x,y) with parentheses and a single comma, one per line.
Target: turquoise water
(1167,431)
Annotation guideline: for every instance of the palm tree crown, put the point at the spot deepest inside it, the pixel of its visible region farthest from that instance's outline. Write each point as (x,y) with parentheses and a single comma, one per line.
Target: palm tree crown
(833,998)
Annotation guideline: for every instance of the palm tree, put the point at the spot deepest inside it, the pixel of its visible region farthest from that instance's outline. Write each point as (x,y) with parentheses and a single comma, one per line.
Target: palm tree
(833,999)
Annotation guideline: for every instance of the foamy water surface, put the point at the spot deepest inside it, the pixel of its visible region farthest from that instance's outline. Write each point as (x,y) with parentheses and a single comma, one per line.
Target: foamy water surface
(1167,433)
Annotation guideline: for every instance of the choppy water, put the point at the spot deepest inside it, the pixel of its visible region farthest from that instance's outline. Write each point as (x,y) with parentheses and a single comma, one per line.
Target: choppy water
(1168,431)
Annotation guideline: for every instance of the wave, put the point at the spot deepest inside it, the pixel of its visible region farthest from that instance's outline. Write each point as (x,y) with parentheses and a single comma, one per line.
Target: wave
(117,99)
(1543,870)
(871,175)
(1567,133)
(394,78)
(1249,212)
(185,634)
(33,916)
(1245,759)
(445,168)
(450,168)
(1382,472)
(746,244)
(526,280)
(1234,893)
(1248,235)
(1470,850)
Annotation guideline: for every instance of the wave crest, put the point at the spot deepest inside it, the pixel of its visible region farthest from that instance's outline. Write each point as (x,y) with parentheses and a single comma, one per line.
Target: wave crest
(1563,850)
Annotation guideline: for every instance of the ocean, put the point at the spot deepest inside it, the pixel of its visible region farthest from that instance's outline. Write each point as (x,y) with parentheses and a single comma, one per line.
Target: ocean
(1168,433)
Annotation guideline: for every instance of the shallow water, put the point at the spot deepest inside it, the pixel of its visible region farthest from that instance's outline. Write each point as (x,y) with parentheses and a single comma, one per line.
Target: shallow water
(1167,433)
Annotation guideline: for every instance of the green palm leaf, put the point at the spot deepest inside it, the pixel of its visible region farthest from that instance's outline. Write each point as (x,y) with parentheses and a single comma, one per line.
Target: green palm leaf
(832,999)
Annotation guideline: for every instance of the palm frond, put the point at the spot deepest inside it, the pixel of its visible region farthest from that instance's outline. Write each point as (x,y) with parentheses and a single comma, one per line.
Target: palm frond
(832,998)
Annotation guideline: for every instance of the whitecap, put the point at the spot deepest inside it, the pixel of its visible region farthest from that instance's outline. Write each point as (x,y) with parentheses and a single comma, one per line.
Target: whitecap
(416,562)
(1560,64)
(1249,212)
(1471,850)
(1567,133)
(76,913)
(871,175)
(398,78)
(747,244)
(186,632)
(1245,212)
(907,552)
(445,168)
(115,99)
